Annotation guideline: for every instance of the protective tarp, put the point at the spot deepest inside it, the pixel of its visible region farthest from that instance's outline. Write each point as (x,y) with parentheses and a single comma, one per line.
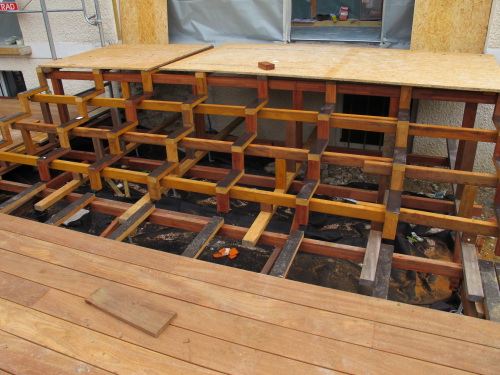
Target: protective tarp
(229,21)
(397,22)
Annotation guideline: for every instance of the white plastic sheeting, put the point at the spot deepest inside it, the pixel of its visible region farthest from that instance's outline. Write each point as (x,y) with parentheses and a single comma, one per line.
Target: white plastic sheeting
(229,21)
(397,22)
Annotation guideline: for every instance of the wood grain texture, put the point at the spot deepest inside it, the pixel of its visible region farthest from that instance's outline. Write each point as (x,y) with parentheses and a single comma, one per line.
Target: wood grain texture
(350,64)
(369,269)
(450,26)
(127,56)
(144,22)
(384,312)
(133,308)
(19,356)
(19,290)
(472,275)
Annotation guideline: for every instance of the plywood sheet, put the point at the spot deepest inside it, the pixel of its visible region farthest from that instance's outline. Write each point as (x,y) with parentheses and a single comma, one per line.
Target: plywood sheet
(369,65)
(450,26)
(144,22)
(128,56)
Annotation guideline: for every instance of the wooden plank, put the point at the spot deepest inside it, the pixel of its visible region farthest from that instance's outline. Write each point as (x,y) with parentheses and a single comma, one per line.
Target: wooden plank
(370,262)
(128,56)
(134,208)
(59,194)
(21,198)
(43,162)
(195,248)
(440,26)
(132,308)
(23,357)
(70,210)
(352,64)
(287,254)
(19,290)
(472,275)
(128,226)
(383,276)
(86,345)
(491,290)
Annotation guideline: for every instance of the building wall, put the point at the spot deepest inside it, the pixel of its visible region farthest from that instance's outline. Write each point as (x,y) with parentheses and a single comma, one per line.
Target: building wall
(71,35)
(444,113)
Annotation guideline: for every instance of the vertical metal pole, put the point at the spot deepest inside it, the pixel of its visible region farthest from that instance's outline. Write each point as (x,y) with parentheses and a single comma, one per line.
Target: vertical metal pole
(48,30)
(99,21)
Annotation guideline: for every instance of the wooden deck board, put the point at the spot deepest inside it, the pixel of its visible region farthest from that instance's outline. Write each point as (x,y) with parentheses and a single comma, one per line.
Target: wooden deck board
(274,324)
(285,290)
(128,56)
(349,64)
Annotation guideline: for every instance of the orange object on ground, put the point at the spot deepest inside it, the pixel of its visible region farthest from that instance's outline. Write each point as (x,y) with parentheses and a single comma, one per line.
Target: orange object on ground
(231,253)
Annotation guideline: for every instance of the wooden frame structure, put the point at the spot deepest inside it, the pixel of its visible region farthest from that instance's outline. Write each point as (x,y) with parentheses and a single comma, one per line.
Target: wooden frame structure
(401,76)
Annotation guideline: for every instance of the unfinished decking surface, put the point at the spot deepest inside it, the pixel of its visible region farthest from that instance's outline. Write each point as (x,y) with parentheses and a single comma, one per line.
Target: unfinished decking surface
(128,56)
(228,320)
(368,65)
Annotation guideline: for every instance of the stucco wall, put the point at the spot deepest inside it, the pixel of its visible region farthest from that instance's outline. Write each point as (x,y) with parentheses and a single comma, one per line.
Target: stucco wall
(71,35)
(443,113)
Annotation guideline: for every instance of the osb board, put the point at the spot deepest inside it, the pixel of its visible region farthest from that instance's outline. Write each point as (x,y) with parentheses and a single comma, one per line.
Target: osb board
(370,65)
(144,22)
(128,56)
(450,26)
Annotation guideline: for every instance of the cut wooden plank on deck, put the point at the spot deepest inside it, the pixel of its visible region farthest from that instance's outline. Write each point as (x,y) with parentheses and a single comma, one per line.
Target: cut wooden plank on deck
(21,198)
(203,238)
(491,290)
(71,209)
(370,262)
(472,275)
(132,308)
(287,254)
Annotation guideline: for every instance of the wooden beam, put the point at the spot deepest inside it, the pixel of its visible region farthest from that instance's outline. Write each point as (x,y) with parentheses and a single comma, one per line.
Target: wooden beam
(472,275)
(21,198)
(70,210)
(383,277)
(491,290)
(370,262)
(287,254)
(132,223)
(60,194)
(195,248)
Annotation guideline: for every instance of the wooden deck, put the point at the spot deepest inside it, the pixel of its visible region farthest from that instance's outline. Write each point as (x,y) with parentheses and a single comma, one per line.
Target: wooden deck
(228,320)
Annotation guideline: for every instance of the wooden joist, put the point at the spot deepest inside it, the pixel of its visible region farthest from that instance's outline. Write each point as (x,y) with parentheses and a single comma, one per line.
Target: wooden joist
(21,198)
(60,193)
(491,289)
(287,254)
(370,262)
(70,210)
(383,276)
(44,161)
(129,225)
(472,275)
(195,248)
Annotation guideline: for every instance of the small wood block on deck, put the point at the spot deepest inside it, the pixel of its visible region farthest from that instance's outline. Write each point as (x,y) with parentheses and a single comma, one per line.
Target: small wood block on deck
(491,290)
(21,198)
(265,65)
(287,254)
(472,276)
(203,238)
(71,209)
(133,308)
(132,223)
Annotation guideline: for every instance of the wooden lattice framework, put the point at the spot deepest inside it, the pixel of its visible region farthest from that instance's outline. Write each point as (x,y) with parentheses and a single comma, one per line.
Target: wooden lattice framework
(472,79)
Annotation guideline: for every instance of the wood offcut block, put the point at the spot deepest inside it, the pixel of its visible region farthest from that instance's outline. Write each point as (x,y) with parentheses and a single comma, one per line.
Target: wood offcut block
(266,65)
(134,308)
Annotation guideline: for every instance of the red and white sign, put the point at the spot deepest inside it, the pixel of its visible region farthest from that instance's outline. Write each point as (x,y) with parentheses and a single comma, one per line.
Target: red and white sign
(6,5)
